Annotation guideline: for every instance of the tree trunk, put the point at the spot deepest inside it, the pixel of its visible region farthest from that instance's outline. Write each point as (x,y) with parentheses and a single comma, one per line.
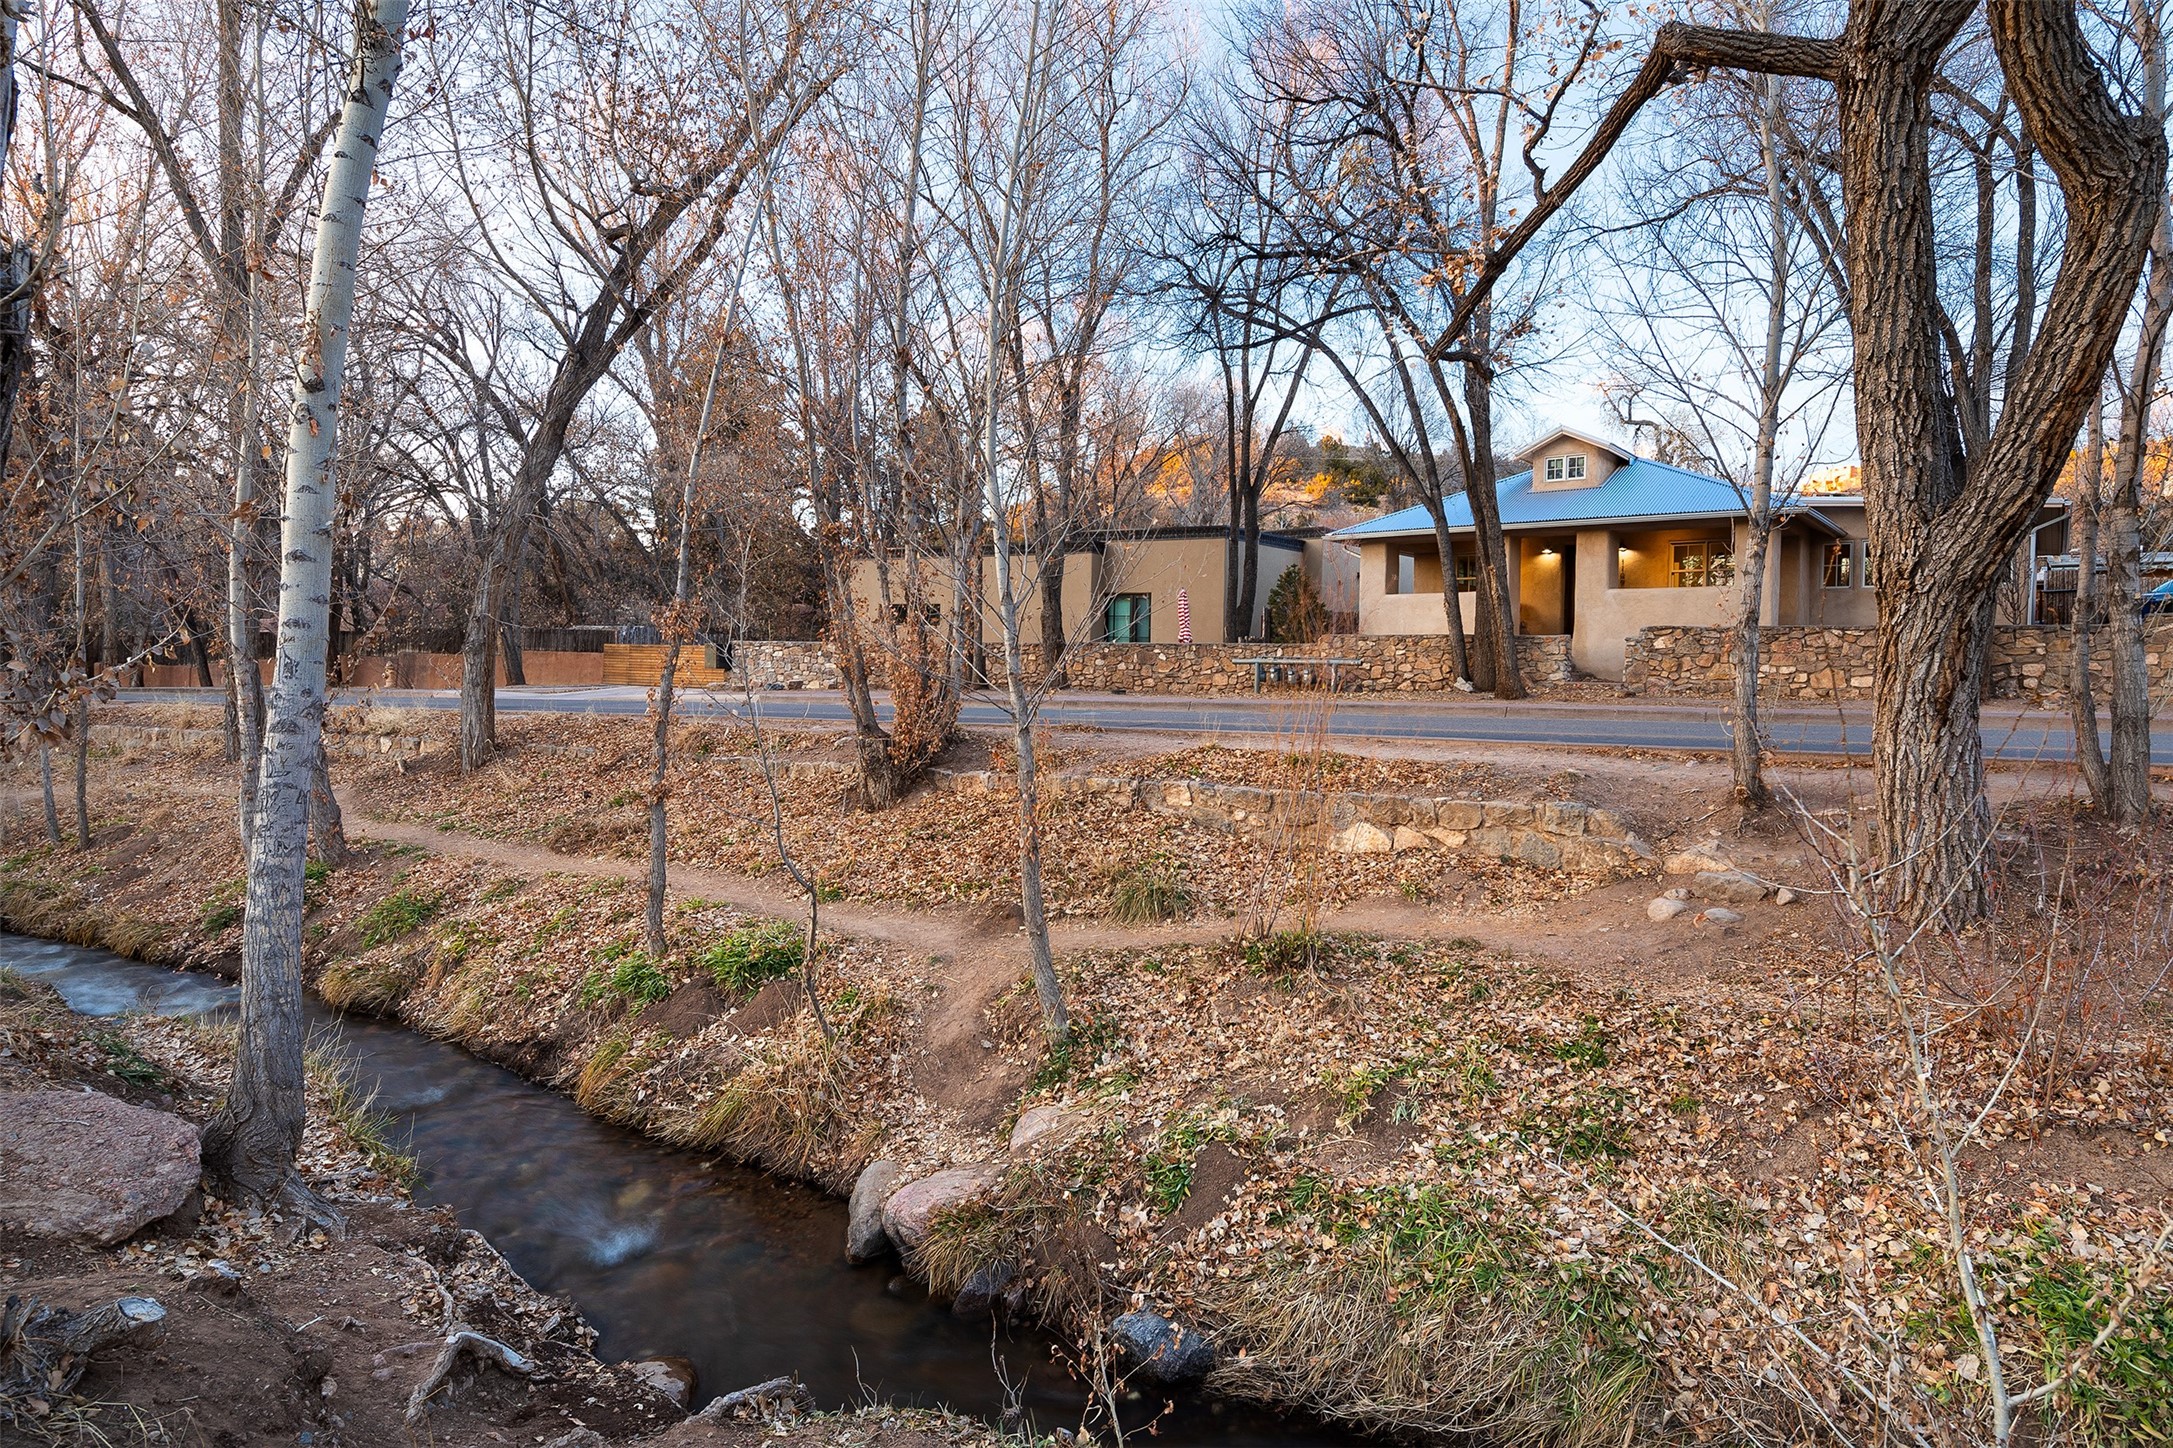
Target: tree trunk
(660,761)
(2128,795)
(1926,747)
(1248,577)
(1745,744)
(2082,627)
(1033,910)
(2129,776)
(200,655)
(1496,666)
(83,773)
(327,827)
(479,677)
(1452,601)
(509,623)
(45,786)
(1050,585)
(249,1147)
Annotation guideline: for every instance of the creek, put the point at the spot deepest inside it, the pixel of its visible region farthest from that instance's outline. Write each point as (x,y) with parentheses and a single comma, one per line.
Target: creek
(665,1253)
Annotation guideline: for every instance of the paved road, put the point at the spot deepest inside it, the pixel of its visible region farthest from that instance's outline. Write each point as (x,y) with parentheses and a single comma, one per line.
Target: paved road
(2009,734)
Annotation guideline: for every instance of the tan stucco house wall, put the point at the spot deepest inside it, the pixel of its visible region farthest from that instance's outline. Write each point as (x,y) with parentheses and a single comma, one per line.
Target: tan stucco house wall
(1158,563)
(1593,534)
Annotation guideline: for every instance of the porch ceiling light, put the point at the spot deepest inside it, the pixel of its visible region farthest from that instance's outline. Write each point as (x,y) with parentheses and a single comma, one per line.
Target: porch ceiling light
(1546,552)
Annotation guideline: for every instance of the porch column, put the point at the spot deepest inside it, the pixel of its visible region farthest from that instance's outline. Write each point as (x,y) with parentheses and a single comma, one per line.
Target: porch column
(1513,546)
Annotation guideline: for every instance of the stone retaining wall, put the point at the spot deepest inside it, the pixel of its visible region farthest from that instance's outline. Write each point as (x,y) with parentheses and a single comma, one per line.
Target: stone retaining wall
(1404,663)
(2027,663)
(785,664)
(1554,834)
(168,737)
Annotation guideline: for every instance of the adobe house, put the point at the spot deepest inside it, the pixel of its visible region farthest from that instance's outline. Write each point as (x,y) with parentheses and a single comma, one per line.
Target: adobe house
(1603,543)
(1121,585)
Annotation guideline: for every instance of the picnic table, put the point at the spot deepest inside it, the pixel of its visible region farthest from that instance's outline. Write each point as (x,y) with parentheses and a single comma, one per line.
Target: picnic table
(1275,667)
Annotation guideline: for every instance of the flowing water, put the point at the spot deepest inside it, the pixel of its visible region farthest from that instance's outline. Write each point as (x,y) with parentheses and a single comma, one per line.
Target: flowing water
(666,1253)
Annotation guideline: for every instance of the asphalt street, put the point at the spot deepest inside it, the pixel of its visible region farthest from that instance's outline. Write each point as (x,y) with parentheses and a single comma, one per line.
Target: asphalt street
(2009,734)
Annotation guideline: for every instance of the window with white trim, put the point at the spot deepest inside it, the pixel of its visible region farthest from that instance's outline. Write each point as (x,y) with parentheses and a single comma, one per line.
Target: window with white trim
(1840,565)
(1576,463)
(1554,469)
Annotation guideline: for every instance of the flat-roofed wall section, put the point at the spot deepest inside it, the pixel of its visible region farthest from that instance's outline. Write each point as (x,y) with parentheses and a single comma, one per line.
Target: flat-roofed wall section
(2028,663)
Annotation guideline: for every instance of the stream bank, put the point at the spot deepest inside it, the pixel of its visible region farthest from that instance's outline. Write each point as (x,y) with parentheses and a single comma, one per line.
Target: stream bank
(664,1254)
(1400,1175)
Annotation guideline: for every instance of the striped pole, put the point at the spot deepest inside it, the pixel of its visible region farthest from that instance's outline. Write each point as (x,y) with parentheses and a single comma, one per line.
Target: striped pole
(1184,617)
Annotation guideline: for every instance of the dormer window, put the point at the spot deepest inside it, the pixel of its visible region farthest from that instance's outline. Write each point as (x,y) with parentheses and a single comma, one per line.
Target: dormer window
(1567,468)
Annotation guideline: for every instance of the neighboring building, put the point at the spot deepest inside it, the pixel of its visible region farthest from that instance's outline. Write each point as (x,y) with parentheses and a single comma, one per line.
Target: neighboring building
(1122,585)
(1603,543)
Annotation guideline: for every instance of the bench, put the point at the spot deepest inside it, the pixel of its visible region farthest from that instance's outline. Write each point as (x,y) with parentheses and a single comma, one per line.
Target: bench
(1267,667)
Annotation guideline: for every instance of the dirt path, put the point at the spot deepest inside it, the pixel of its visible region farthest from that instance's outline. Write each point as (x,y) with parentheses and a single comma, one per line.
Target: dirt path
(978,954)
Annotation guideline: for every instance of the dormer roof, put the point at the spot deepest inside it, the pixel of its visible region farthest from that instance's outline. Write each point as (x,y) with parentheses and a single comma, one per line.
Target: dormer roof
(1552,443)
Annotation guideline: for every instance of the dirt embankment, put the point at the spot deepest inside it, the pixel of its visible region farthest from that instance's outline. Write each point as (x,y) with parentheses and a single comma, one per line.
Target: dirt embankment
(272,1335)
(1420,1146)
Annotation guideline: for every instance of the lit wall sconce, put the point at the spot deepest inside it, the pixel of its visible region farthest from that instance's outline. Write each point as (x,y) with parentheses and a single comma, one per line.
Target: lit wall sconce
(1546,552)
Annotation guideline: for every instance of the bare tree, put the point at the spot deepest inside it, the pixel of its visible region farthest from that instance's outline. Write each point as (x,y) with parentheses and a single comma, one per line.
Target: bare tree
(1230,292)
(1948,499)
(606,207)
(2121,783)
(250,1145)
(231,231)
(677,621)
(1715,317)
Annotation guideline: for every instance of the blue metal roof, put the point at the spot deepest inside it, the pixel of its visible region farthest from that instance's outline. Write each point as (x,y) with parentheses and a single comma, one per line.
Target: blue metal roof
(1640,490)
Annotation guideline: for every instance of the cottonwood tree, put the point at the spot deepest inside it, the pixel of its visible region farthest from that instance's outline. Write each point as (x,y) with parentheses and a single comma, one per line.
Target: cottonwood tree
(2119,779)
(1719,314)
(693,102)
(1418,145)
(234,218)
(1950,493)
(250,1146)
(1948,501)
(1229,294)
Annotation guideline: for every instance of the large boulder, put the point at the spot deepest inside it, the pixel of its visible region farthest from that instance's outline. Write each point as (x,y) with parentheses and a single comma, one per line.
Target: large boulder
(1165,1353)
(865,1239)
(909,1209)
(983,1293)
(82,1166)
(1733,886)
(673,1378)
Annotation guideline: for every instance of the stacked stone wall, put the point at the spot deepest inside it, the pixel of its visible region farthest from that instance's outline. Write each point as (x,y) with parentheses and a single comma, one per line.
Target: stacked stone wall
(1403,663)
(1554,834)
(2030,664)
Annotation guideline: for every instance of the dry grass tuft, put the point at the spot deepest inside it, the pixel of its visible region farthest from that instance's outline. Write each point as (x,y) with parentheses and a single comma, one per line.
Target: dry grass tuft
(784,1108)
(1355,1343)
(617,1057)
(1030,1223)
(356,983)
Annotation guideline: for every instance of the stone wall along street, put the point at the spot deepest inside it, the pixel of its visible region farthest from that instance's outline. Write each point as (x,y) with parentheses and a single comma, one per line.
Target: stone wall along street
(2031,664)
